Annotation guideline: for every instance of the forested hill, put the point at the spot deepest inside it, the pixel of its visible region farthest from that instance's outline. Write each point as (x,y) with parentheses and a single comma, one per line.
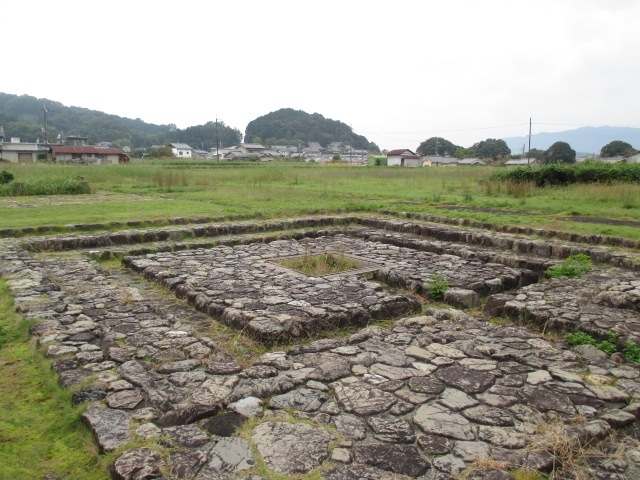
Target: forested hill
(292,127)
(23,117)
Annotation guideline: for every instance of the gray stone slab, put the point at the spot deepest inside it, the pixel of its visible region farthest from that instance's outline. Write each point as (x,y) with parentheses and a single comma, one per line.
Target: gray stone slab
(303,399)
(290,448)
(355,396)
(140,463)
(436,420)
(110,427)
(226,458)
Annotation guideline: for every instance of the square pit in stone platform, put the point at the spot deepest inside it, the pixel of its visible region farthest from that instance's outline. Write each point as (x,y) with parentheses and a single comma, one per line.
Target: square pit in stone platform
(243,287)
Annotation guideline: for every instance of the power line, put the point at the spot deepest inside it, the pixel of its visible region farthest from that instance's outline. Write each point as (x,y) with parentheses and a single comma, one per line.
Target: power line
(448,131)
(431,132)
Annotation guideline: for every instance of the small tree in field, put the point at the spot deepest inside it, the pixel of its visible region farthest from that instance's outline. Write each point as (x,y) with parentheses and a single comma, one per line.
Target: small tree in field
(436,146)
(491,148)
(615,148)
(560,152)
(161,152)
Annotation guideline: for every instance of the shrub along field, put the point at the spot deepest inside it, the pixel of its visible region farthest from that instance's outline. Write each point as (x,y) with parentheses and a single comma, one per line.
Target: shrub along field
(40,432)
(158,190)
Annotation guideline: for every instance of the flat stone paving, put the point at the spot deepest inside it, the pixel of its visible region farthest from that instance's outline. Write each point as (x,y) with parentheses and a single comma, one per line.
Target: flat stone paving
(244,287)
(426,397)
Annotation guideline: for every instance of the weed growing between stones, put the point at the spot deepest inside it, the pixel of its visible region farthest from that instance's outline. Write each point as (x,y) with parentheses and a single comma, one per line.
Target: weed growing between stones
(574,454)
(581,338)
(438,285)
(631,351)
(573,266)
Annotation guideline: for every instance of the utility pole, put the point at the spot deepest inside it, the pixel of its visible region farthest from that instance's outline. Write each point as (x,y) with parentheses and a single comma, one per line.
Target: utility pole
(44,129)
(529,153)
(350,142)
(437,143)
(217,142)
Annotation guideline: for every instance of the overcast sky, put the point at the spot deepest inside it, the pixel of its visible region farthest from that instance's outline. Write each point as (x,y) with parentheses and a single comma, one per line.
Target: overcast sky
(398,71)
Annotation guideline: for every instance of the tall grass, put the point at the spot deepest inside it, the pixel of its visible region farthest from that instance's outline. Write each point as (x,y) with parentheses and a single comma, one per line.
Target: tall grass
(174,187)
(45,186)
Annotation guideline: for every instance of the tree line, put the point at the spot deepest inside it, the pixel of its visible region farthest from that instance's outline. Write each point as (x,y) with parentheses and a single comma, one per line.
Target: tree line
(495,149)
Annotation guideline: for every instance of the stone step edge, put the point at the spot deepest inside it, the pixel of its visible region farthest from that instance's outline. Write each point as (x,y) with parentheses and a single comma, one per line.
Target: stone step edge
(591,239)
(506,242)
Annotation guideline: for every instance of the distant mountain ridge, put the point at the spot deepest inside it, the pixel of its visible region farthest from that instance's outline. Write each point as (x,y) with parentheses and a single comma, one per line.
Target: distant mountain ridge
(585,140)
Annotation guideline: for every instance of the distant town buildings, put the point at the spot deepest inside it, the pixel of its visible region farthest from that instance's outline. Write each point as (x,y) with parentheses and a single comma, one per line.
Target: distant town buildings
(76,149)
(73,150)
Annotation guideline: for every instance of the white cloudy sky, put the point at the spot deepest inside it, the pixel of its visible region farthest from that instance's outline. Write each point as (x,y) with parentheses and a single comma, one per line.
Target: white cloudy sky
(397,71)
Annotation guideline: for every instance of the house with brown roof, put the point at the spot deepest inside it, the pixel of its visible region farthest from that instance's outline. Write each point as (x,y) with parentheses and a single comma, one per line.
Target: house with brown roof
(403,157)
(251,148)
(87,154)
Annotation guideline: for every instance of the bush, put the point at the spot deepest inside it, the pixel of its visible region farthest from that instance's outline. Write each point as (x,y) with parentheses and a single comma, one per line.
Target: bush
(564,174)
(47,186)
(631,352)
(573,266)
(5,177)
(438,285)
(607,346)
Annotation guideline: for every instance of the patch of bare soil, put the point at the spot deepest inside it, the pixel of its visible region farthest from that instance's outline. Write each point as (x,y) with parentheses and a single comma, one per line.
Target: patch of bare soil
(52,200)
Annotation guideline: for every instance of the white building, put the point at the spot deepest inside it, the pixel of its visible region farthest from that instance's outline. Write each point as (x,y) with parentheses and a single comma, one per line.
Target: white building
(181,150)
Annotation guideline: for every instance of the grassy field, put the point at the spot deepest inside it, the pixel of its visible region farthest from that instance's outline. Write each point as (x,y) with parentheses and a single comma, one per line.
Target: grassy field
(165,189)
(41,435)
(40,432)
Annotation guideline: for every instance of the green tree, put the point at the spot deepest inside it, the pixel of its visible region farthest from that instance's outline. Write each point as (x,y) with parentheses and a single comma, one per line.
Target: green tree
(160,152)
(436,146)
(615,148)
(536,153)
(462,152)
(560,152)
(491,148)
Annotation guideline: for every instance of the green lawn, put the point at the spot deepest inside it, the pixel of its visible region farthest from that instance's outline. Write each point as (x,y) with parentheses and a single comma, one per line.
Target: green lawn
(161,190)
(40,431)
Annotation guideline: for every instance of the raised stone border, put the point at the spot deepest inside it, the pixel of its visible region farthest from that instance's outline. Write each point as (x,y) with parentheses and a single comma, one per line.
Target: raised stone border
(241,287)
(421,399)
(589,239)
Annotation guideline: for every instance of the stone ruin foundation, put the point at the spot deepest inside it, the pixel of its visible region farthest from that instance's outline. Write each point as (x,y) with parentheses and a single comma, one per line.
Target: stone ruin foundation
(416,389)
